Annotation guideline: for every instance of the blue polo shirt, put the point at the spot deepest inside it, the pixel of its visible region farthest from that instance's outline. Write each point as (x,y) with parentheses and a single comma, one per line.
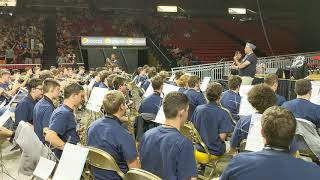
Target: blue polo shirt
(96,84)
(231,100)
(151,104)
(4,86)
(304,109)
(41,115)
(102,85)
(241,130)
(269,164)
(250,70)
(24,110)
(145,85)
(182,90)
(141,79)
(168,154)
(107,134)
(63,122)
(195,99)
(280,100)
(210,121)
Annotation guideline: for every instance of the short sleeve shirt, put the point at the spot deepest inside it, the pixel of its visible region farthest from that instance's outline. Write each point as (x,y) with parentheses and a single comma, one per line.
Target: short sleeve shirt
(24,110)
(250,70)
(151,104)
(231,101)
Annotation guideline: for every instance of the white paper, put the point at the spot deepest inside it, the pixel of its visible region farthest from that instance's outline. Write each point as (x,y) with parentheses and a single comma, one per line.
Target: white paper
(244,90)
(139,84)
(91,84)
(205,83)
(44,168)
(172,77)
(315,94)
(160,118)
(254,138)
(4,117)
(246,108)
(71,163)
(3,103)
(96,99)
(167,88)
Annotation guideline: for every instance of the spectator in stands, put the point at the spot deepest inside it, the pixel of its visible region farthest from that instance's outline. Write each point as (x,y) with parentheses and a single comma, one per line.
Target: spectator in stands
(247,66)
(231,98)
(274,161)
(212,122)
(272,81)
(182,82)
(194,94)
(163,150)
(302,107)
(152,103)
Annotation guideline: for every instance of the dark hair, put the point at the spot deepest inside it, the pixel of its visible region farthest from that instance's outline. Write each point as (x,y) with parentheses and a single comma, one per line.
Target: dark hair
(173,103)
(178,75)
(112,101)
(14,71)
(234,82)
(152,73)
(156,82)
(261,97)
(103,75)
(118,81)
(34,83)
(271,79)
(193,80)
(139,69)
(45,74)
(49,84)
(73,88)
(55,72)
(303,87)
(279,126)
(213,92)
(110,79)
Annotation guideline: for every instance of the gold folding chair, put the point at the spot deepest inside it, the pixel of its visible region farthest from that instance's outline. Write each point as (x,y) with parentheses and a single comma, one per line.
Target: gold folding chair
(203,158)
(139,174)
(102,160)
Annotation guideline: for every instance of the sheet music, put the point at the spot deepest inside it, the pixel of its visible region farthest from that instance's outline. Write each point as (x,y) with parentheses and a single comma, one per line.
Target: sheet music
(254,138)
(172,77)
(160,118)
(44,168)
(91,84)
(244,90)
(71,163)
(246,108)
(96,99)
(167,88)
(3,103)
(315,94)
(13,98)
(205,83)
(4,117)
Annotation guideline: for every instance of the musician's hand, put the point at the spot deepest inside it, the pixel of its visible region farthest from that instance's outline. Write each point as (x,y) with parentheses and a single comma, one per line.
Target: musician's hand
(5,133)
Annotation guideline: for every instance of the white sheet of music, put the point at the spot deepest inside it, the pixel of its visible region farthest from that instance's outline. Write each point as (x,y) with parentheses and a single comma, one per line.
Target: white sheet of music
(4,117)
(44,168)
(91,84)
(3,103)
(254,138)
(205,83)
(71,163)
(244,90)
(246,108)
(160,118)
(172,77)
(167,88)
(315,94)
(96,99)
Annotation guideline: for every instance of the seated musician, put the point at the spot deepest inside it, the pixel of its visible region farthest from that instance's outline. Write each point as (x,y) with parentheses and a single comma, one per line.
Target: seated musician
(62,123)
(163,150)
(194,94)
(182,82)
(119,83)
(272,81)
(274,161)
(44,108)
(261,97)
(231,98)
(4,85)
(302,107)
(110,81)
(177,76)
(108,134)
(152,103)
(103,79)
(151,73)
(141,75)
(212,122)
(24,108)
(97,79)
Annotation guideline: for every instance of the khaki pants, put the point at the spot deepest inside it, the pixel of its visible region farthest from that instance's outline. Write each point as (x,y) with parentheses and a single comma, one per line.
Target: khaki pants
(246,80)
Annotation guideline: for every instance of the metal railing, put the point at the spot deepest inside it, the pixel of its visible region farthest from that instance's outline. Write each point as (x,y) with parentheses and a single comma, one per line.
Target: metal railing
(217,71)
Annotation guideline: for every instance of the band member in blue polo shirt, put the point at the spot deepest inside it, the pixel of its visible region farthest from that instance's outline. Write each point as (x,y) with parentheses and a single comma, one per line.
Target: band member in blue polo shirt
(151,73)
(63,124)
(274,161)
(212,122)
(194,94)
(231,98)
(44,108)
(301,107)
(103,79)
(24,108)
(4,85)
(152,103)
(182,82)
(272,81)
(247,66)
(141,75)
(108,134)
(163,150)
